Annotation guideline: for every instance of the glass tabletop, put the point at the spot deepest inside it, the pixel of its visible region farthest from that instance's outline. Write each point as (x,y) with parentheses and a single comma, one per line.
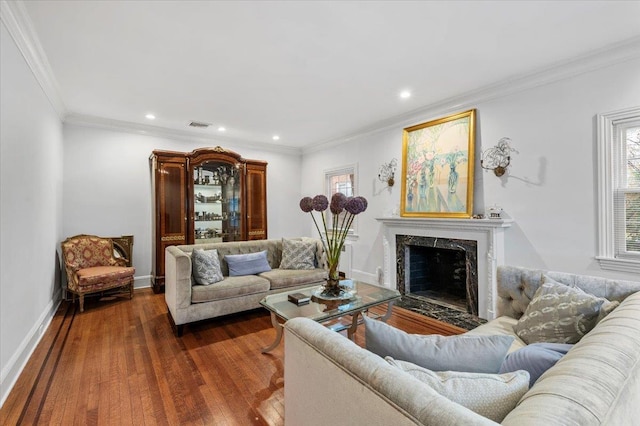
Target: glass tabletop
(366,295)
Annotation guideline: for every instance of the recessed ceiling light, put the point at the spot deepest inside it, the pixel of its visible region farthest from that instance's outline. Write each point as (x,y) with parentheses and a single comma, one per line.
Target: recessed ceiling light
(276,137)
(150,117)
(222,129)
(405,94)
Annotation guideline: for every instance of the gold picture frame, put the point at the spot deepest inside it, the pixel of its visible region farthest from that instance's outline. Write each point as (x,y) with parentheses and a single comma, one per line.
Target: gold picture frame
(433,182)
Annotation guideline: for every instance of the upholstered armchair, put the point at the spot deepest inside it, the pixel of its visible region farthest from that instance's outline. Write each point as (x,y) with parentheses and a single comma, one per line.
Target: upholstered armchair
(92,267)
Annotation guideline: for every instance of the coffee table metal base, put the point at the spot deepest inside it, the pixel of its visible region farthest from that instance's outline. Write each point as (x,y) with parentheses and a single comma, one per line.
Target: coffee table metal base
(351,328)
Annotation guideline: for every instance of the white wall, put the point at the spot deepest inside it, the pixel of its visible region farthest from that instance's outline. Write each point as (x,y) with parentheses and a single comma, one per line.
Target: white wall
(30,211)
(107,187)
(551,189)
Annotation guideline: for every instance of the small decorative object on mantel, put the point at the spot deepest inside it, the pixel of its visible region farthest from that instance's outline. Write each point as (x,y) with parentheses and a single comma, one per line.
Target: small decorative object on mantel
(387,172)
(343,211)
(498,158)
(495,212)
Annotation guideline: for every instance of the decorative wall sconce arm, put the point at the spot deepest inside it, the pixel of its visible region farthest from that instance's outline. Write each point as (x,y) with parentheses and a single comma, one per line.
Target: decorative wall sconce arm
(498,158)
(387,172)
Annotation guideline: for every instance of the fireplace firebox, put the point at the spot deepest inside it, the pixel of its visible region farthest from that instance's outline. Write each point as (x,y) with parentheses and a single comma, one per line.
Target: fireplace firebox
(441,270)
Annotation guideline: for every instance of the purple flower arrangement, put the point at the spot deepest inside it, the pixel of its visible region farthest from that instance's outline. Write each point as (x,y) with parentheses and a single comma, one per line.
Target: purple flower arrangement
(340,224)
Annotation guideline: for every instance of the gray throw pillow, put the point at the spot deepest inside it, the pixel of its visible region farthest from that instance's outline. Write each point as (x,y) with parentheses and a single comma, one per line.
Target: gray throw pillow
(247,264)
(472,353)
(490,395)
(560,314)
(205,265)
(535,358)
(298,254)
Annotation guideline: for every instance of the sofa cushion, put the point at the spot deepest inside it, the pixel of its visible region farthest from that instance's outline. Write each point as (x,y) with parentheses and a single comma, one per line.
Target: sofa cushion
(479,354)
(206,266)
(535,358)
(490,395)
(501,325)
(228,288)
(560,314)
(283,278)
(297,254)
(104,274)
(247,264)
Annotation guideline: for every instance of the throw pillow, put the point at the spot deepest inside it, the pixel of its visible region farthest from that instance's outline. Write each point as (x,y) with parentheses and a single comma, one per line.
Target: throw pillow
(559,314)
(479,354)
(205,265)
(247,264)
(298,254)
(490,395)
(535,358)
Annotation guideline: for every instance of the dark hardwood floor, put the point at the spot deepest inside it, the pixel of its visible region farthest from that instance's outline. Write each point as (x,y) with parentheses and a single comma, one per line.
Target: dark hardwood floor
(120,363)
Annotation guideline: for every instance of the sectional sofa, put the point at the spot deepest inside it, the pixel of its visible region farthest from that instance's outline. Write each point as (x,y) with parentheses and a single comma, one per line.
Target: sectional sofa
(187,301)
(331,380)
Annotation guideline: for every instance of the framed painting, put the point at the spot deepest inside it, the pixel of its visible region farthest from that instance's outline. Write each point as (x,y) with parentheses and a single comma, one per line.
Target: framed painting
(437,167)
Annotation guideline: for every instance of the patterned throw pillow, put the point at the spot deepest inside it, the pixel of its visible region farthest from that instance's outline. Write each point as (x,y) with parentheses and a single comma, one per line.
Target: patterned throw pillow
(560,314)
(490,395)
(298,254)
(206,266)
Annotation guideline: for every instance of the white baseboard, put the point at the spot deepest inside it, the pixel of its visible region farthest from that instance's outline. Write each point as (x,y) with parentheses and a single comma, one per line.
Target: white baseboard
(143,281)
(365,277)
(11,372)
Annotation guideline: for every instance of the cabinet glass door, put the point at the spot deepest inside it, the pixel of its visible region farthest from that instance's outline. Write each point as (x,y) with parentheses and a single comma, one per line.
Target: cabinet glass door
(217,204)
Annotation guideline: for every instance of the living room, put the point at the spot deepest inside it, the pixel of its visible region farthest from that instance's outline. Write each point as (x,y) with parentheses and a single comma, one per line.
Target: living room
(71,172)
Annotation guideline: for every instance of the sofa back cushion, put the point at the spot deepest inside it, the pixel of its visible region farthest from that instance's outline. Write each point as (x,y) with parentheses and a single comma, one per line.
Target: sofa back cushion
(273,248)
(516,287)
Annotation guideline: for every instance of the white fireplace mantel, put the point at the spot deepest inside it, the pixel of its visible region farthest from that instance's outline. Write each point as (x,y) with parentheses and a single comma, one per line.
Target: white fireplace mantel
(488,233)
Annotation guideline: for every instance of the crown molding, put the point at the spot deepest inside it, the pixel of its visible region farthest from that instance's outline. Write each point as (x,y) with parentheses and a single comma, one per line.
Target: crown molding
(177,135)
(15,18)
(604,57)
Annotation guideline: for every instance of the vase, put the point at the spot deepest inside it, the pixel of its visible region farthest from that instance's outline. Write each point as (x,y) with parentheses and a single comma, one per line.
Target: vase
(453,179)
(332,290)
(331,287)
(432,177)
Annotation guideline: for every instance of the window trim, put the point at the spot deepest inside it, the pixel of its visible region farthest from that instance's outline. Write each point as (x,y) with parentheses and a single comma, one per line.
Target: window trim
(607,168)
(343,170)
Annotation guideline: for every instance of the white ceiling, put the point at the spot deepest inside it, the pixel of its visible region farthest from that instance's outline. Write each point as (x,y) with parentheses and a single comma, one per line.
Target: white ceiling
(311,72)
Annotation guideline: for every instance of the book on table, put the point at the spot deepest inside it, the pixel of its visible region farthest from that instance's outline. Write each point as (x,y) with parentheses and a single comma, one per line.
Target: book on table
(299,298)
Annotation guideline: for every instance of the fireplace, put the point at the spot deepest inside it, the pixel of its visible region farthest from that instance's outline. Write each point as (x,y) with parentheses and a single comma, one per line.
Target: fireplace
(441,270)
(488,235)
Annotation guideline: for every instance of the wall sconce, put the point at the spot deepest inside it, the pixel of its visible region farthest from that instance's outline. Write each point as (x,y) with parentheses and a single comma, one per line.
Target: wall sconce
(498,158)
(387,172)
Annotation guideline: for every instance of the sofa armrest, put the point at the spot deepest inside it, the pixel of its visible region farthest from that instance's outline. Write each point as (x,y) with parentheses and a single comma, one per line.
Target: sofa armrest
(330,380)
(177,282)
(596,383)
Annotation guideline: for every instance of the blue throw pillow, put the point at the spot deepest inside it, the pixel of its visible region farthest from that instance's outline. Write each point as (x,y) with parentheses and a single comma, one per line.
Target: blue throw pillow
(247,264)
(471,353)
(535,358)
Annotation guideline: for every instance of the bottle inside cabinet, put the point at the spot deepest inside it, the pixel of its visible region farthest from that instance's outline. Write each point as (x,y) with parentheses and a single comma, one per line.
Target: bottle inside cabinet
(217,212)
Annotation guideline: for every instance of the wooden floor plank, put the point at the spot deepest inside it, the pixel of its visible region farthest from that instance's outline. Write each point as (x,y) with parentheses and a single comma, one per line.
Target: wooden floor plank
(120,363)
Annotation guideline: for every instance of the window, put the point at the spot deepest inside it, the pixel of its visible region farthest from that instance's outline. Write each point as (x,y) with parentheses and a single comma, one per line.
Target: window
(340,180)
(619,190)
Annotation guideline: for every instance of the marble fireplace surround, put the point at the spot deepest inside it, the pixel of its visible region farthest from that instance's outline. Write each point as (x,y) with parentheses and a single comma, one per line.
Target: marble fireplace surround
(488,234)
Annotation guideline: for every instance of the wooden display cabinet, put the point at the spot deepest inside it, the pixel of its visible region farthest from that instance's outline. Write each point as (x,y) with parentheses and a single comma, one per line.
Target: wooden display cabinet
(207,195)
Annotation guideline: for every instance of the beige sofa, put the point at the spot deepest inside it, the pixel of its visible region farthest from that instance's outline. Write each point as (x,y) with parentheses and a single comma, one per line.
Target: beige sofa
(330,380)
(189,302)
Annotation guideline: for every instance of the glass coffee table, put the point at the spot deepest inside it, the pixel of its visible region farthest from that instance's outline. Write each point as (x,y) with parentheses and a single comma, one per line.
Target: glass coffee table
(338,316)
